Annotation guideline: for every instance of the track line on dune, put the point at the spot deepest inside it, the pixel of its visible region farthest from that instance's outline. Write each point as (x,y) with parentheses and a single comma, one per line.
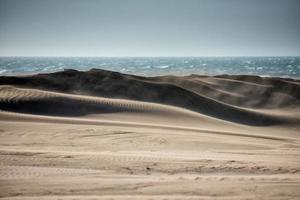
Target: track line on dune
(105,197)
(21,172)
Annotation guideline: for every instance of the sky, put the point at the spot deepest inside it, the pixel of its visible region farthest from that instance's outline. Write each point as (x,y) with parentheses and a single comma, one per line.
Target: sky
(149,28)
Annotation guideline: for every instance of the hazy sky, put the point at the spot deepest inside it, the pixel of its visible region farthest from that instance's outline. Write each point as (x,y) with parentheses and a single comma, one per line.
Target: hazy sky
(149,27)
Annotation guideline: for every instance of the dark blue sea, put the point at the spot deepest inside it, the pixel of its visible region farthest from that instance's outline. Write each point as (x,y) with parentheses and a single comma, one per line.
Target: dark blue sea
(152,66)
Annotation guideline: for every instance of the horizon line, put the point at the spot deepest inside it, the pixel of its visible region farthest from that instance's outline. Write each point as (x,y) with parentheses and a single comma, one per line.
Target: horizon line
(64,56)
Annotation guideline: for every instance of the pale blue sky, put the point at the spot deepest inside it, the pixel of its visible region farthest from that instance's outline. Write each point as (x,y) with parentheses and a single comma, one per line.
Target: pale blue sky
(149,27)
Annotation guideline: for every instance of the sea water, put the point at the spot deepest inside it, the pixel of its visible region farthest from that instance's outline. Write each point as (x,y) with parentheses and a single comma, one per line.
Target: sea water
(153,66)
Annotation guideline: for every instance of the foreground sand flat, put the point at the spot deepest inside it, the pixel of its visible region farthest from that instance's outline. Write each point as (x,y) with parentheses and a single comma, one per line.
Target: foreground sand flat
(112,148)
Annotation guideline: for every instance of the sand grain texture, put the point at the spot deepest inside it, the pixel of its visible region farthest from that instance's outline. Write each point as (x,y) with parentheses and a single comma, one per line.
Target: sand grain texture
(106,135)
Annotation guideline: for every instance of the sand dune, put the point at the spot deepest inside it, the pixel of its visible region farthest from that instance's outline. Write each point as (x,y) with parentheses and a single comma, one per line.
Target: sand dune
(106,135)
(223,98)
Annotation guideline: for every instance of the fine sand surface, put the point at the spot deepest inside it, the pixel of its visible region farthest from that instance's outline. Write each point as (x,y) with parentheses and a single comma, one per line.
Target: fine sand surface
(105,135)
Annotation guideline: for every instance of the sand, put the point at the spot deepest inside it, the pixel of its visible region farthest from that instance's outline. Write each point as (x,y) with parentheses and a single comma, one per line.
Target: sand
(105,135)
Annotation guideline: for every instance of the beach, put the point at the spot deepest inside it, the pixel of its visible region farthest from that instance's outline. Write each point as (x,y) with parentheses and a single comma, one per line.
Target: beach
(100,134)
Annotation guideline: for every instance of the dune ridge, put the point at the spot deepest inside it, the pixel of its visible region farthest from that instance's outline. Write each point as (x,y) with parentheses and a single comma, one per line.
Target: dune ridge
(40,102)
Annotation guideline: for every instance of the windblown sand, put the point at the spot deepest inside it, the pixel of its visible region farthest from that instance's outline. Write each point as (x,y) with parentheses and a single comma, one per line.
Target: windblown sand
(106,135)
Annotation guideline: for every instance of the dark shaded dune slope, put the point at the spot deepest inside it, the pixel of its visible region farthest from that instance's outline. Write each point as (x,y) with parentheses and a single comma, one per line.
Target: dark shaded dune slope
(223,97)
(242,90)
(56,106)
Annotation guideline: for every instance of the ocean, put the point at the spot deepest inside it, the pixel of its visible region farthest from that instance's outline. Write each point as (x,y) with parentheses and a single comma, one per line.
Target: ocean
(153,66)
